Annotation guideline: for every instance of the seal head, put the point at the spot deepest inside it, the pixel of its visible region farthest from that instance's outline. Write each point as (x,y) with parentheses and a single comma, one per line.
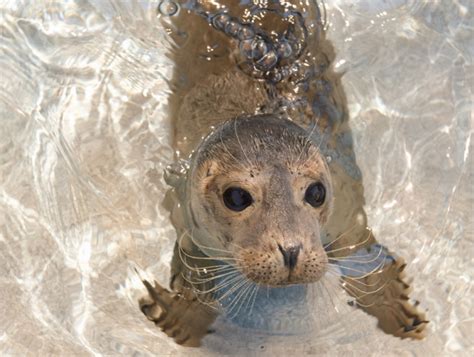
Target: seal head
(259,195)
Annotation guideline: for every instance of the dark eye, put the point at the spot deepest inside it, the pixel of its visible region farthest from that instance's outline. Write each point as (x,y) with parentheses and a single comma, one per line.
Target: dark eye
(315,194)
(237,199)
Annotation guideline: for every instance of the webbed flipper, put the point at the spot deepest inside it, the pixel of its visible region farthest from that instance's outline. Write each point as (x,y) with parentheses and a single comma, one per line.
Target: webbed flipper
(180,315)
(391,304)
(376,279)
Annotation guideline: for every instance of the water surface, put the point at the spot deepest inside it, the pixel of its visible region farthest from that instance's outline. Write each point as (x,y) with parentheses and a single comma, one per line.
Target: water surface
(84,139)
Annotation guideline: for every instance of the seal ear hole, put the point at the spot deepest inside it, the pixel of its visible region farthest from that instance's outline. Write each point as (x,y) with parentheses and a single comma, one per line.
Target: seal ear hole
(237,199)
(315,194)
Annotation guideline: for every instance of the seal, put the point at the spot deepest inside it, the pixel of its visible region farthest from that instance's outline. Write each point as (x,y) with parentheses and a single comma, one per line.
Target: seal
(266,188)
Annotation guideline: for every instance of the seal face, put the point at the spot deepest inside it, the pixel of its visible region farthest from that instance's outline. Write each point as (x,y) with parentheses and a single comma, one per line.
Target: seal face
(260,192)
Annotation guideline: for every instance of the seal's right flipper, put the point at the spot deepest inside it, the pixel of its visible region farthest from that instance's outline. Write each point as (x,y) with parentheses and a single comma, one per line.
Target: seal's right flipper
(179,315)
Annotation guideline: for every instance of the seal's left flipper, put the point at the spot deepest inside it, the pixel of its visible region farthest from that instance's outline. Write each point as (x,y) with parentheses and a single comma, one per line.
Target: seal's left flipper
(384,293)
(179,315)
(393,309)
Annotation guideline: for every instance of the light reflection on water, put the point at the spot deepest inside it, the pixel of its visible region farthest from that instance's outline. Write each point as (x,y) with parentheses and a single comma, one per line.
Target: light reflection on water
(85,138)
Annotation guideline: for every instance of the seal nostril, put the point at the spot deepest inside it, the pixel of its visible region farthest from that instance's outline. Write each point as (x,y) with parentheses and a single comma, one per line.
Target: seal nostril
(290,255)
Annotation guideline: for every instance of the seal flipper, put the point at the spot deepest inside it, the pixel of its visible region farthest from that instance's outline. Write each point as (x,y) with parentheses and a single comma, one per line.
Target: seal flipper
(383,293)
(179,315)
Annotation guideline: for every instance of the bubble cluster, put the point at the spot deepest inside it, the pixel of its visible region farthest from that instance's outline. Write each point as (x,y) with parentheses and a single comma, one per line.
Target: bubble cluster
(263,56)
(168,8)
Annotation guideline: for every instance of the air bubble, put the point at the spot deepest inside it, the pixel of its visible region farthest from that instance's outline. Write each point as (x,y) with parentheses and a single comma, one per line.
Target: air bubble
(275,76)
(284,50)
(259,48)
(168,8)
(220,21)
(246,48)
(232,28)
(268,61)
(246,32)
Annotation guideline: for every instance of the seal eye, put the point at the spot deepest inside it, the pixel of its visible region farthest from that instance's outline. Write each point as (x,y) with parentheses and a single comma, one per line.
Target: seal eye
(315,194)
(237,199)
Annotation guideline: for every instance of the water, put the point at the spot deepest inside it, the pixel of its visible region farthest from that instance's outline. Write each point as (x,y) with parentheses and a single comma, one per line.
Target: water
(85,138)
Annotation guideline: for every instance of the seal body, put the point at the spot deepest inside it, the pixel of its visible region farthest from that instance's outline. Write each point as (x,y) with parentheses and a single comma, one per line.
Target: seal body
(266,188)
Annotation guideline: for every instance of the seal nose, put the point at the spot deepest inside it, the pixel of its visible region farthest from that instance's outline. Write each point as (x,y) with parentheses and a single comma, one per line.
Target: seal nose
(290,255)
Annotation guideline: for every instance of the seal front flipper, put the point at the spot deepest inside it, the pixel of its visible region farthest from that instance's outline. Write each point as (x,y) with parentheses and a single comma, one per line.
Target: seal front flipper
(395,313)
(383,292)
(179,315)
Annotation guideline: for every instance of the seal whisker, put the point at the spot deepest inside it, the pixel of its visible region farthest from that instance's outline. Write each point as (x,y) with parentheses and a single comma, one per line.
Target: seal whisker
(227,281)
(322,284)
(254,298)
(340,236)
(237,285)
(207,269)
(210,303)
(237,300)
(200,280)
(375,270)
(364,293)
(203,271)
(247,297)
(207,297)
(349,259)
(337,273)
(356,280)
(350,247)
(250,297)
(207,300)
(364,305)
(329,289)
(213,268)
(197,269)
(184,261)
